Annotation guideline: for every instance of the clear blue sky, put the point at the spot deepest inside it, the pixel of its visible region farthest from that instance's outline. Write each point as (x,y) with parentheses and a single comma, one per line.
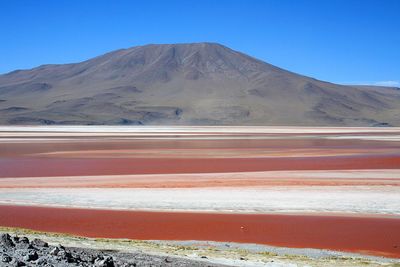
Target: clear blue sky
(335,40)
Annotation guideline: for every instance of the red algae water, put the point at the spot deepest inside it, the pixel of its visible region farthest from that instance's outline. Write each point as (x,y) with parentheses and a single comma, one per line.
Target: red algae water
(344,181)
(371,235)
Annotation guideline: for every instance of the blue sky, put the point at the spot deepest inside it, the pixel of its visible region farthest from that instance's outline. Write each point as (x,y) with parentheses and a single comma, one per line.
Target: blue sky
(345,41)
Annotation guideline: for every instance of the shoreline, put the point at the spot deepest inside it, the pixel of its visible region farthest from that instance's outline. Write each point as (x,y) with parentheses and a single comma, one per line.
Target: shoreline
(210,252)
(366,235)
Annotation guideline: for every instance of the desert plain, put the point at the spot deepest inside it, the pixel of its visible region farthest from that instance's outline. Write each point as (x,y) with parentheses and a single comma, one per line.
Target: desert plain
(327,188)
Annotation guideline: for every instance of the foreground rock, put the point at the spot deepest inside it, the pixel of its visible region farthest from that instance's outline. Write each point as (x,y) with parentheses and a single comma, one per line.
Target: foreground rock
(20,251)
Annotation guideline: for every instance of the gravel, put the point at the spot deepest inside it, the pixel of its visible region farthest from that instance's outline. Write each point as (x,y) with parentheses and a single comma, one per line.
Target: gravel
(20,251)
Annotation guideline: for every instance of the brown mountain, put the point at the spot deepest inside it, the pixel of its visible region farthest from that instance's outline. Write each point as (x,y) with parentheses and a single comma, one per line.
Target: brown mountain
(190,84)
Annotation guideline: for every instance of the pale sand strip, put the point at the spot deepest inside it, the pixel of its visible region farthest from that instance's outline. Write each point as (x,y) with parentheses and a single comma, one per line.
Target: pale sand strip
(213,153)
(232,179)
(157,130)
(382,200)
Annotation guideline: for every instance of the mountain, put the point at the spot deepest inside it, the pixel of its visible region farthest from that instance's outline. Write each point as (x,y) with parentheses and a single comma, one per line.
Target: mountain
(187,84)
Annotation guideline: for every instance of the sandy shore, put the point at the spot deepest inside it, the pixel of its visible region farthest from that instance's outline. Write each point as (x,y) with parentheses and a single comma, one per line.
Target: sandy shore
(384,177)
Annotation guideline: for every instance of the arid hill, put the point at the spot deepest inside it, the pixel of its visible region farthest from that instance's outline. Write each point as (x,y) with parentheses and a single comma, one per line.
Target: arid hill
(187,84)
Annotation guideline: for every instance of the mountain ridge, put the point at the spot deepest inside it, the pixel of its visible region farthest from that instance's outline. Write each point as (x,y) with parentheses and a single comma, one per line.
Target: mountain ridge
(187,84)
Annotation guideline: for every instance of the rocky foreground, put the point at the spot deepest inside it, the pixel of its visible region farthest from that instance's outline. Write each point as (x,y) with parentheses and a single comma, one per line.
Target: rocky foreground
(20,251)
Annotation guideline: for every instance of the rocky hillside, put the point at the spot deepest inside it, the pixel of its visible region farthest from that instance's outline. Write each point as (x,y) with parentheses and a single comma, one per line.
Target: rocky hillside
(187,84)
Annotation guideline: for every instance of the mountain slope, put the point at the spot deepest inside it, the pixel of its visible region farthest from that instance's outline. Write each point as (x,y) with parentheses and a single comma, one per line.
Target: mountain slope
(192,84)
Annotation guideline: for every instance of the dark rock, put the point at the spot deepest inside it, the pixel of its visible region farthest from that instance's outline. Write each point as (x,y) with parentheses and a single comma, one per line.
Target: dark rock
(50,256)
(5,240)
(6,258)
(42,261)
(54,251)
(77,258)
(31,256)
(65,255)
(24,240)
(104,262)
(39,243)
(19,263)
(30,246)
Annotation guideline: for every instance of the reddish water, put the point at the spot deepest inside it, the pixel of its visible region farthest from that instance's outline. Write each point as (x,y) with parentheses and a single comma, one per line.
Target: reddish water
(378,236)
(23,159)
(371,235)
(37,167)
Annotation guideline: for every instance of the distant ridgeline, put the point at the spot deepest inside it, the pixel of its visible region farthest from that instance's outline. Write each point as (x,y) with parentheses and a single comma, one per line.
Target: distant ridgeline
(187,84)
